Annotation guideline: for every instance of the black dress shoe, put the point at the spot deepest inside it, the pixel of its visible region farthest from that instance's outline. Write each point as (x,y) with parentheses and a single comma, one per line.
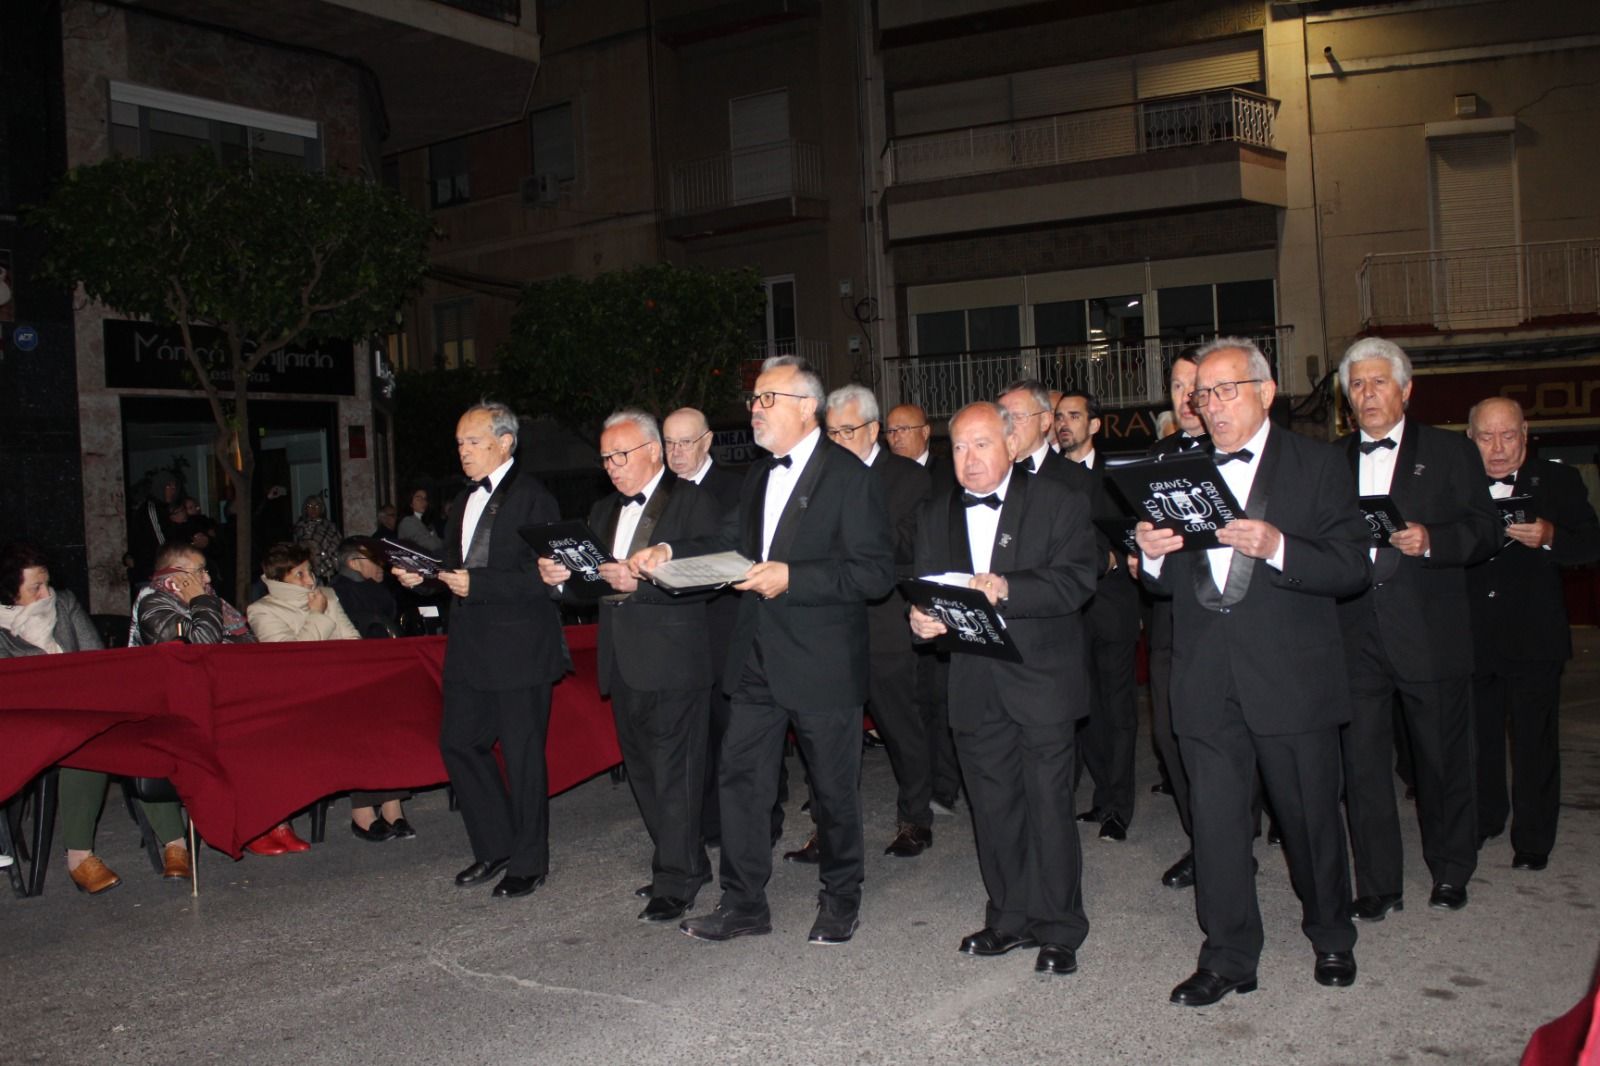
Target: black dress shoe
(1093,814)
(1448,897)
(1274,837)
(725,924)
(1181,873)
(1113,828)
(402,829)
(1336,969)
(1207,987)
(870,740)
(376,833)
(511,886)
(664,909)
(645,891)
(836,922)
(988,942)
(1056,958)
(1527,860)
(911,841)
(809,853)
(479,872)
(1161,788)
(1376,908)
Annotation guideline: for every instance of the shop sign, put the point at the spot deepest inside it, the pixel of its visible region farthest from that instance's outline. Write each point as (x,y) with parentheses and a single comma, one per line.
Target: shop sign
(140,355)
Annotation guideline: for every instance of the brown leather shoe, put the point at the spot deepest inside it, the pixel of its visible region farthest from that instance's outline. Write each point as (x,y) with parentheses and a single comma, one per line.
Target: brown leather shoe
(810,852)
(175,863)
(93,876)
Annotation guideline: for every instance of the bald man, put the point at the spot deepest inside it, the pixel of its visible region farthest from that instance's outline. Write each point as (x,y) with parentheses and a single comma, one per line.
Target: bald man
(1521,639)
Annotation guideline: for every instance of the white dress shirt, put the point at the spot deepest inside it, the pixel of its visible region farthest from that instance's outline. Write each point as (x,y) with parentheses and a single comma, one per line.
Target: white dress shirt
(1375,470)
(780,485)
(700,474)
(982,524)
(1087,461)
(476,501)
(922,460)
(872,456)
(628,518)
(1038,457)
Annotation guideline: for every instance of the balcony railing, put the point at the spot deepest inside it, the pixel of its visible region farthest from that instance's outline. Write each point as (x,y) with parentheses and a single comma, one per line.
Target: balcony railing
(1125,373)
(509,11)
(1481,288)
(815,352)
(775,171)
(1078,136)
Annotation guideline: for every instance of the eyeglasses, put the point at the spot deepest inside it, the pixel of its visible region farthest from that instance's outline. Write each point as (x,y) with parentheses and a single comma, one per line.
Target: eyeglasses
(767,399)
(848,432)
(688,442)
(620,459)
(1225,391)
(196,570)
(895,431)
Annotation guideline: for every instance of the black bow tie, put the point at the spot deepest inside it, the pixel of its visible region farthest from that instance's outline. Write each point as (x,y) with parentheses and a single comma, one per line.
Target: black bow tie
(991,500)
(637,498)
(780,460)
(1370,446)
(1244,455)
(1028,464)
(486,485)
(1188,444)
(1509,479)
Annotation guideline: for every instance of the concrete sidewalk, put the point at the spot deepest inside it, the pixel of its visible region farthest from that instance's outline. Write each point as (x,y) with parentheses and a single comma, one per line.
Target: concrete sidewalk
(361,953)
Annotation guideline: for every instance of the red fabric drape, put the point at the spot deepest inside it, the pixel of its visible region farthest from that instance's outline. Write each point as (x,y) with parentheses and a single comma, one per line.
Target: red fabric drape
(249,734)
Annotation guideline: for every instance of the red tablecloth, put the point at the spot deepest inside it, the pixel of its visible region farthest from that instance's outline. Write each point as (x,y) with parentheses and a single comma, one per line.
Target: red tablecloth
(249,734)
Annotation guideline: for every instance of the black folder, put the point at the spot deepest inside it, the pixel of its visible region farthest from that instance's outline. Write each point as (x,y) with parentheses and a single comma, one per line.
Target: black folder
(409,559)
(573,545)
(1383,517)
(1119,531)
(974,626)
(1183,492)
(1517,510)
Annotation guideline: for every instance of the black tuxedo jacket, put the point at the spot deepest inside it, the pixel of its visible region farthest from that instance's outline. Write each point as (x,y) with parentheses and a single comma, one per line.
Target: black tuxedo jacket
(1519,612)
(723,485)
(1113,614)
(905,487)
(941,471)
(1067,472)
(1044,548)
(1272,637)
(1174,443)
(1421,603)
(834,535)
(506,632)
(652,640)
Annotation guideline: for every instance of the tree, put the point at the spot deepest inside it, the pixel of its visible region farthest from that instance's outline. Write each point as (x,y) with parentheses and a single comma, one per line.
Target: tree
(271,257)
(659,337)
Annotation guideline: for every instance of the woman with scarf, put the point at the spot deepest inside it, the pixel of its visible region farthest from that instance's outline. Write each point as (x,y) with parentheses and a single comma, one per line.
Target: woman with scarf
(38,620)
(320,537)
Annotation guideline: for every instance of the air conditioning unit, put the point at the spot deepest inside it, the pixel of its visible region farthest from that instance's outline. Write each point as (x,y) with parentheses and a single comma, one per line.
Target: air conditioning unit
(541,190)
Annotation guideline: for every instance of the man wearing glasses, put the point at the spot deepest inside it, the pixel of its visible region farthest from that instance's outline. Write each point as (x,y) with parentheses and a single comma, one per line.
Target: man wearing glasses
(1033,420)
(813,517)
(1258,675)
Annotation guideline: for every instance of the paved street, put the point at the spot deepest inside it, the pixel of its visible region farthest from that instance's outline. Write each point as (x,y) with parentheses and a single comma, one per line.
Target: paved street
(356,953)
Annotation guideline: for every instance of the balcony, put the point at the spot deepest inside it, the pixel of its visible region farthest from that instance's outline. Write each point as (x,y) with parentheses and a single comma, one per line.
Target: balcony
(815,352)
(1125,373)
(1175,152)
(745,189)
(1519,286)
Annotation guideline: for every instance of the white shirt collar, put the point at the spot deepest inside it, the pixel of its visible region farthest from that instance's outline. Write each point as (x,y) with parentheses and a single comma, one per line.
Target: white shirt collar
(1001,489)
(872,456)
(922,460)
(1038,457)
(1088,460)
(800,454)
(705,468)
(1257,441)
(649,489)
(498,473)
(1394,434)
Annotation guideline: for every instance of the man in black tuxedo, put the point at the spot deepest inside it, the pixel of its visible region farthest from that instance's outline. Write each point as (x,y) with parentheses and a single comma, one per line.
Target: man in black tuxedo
(1106,747)
(686,436)
(910,435)
(1191,435)
(1028,402)
(1410,634)
(504,652)
(654,656)
(853,424)
(1520,633)
(1030,546)
(1258,679)
(813,518)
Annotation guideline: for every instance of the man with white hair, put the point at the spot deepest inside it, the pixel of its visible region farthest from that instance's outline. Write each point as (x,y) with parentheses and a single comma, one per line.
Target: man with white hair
(1409,635)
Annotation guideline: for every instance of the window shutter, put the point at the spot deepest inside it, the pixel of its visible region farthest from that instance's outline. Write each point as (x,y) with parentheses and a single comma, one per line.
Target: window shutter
(1213,65)
(1078,87)
(1472,200)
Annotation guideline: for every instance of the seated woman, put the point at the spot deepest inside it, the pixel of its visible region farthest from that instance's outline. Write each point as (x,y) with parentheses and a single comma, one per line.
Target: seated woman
(38,620)
(294,608)
(180,604)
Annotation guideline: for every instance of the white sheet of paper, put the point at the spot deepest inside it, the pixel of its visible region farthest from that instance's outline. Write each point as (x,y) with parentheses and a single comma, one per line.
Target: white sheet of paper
(720,568)
(951,579)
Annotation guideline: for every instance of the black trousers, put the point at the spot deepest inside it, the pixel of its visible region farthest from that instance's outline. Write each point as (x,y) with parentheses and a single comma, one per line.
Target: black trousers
(1108,737)
(933,685)
(1161,735)
(509,824)
(752,751)
(1527,695)
(1019,784)
(663,741)
(1301,774)
(1438,723)
(900,722)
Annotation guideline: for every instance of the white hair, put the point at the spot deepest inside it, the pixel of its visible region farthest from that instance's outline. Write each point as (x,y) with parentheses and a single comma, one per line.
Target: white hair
(1007,423)
(808,377)
(856,394)
(502,419)
(1256,363)
(641,418)
(1375,348)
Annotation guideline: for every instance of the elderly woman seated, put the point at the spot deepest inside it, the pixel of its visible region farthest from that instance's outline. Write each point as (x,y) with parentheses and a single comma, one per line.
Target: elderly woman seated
(294,608)
(38,620)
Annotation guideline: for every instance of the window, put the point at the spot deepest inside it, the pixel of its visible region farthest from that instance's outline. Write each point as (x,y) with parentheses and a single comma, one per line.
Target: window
(759,147)
(1229,308)
(775,334)
(453,330)
(980,329)
(551,137)
(149,123)
(448,173)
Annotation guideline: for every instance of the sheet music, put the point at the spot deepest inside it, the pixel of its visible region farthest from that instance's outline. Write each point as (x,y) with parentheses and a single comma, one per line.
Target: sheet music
(702,571)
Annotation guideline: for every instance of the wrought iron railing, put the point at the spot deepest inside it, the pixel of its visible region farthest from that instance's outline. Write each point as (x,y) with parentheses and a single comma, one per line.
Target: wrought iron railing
(1481,288)
(815,352)
(750,175)
(1122,373)
(1077,136)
